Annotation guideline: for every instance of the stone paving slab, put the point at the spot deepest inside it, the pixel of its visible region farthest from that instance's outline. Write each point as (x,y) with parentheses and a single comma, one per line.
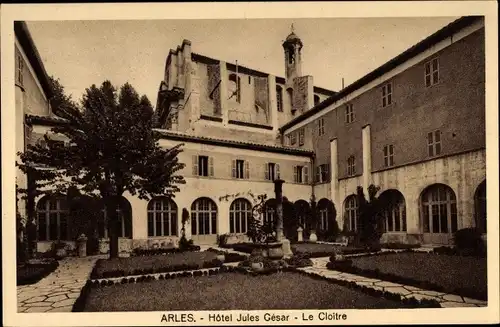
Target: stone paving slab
(58,291)
(446,300)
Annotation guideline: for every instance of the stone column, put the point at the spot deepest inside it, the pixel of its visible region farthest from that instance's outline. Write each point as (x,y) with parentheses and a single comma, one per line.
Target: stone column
(334,183)
(278,191)
(223,217)
(367,158)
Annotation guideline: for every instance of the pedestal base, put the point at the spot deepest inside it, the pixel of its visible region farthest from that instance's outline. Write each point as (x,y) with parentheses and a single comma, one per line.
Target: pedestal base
(287,250)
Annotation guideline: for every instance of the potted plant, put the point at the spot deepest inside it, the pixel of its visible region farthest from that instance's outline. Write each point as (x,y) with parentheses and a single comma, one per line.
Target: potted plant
(256,263)
(61,249)
(221,256)
(339,261)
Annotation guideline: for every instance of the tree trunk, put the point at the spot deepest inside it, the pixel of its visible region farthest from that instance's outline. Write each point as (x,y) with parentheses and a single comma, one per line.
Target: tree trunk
(111,205)
(30,231)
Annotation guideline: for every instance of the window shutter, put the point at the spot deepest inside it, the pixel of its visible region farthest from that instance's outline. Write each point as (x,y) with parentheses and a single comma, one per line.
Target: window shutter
(306,175)
(233,168)
(318,174)
(266,171)
(277,172)
(295,174)
(211,166)
(247,170)
(195,165)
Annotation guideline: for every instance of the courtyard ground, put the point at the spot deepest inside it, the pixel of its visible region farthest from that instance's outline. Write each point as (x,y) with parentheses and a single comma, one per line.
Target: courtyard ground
(59,291)
(232,291)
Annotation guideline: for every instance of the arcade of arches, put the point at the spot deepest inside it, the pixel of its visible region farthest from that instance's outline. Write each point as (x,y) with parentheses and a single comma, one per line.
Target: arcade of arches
(438,216)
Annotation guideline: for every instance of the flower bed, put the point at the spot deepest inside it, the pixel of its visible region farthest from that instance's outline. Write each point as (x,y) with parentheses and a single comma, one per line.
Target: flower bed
(140,265)
(317,250)
(229,256)
(163,251)
(242,291)
(399,246)
(33,273)
(465,276)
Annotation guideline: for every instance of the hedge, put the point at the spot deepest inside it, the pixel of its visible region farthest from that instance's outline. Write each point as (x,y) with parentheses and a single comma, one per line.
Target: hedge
(33,273)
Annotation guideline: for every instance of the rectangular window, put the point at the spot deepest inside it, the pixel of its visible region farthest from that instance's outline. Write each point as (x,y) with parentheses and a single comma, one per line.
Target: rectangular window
(432,72)
(323,173)
(293,138)
(434,143)
(321,126)
(386,94)
(351,166)
(272,171)
(389,155)
(349,113)
(301,136)
(203,166)
(301,174)
(20,69)
(279,98)
(238,169)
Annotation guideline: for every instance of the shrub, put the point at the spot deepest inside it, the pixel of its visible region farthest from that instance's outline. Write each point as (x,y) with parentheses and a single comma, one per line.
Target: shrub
(399,246)
(469,241)
(300,260)
(222,240)
(32,273)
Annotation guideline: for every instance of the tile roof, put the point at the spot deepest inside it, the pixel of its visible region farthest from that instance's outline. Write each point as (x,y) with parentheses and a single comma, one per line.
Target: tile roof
(169,135)
(24,37)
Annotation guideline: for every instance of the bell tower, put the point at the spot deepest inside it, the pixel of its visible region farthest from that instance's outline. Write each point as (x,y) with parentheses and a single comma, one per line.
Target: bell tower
(293,61)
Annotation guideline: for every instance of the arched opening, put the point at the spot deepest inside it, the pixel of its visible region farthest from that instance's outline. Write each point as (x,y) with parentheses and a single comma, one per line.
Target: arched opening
(394,211)
(162,217)
(204,221)
(52,219)
(240,213)
(439,214)
(124,212)
(327,224)
(351,213)
(480,207)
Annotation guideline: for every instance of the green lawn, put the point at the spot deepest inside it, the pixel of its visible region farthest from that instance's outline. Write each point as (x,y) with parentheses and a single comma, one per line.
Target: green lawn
(232,291)
(452,273)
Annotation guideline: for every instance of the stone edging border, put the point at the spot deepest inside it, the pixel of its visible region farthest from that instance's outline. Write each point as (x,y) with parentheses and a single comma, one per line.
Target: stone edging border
(374,273)
(409,302)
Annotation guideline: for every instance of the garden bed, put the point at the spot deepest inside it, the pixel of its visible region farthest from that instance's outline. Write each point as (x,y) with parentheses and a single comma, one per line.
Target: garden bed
(317,250)
(140,265)
(465,276)
(33,273)
(286,290)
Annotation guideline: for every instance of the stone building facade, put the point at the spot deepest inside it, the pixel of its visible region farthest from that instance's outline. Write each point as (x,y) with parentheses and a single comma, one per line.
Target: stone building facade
(415,127)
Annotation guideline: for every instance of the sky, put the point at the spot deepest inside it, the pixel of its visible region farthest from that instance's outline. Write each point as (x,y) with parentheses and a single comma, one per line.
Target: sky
(82,53)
